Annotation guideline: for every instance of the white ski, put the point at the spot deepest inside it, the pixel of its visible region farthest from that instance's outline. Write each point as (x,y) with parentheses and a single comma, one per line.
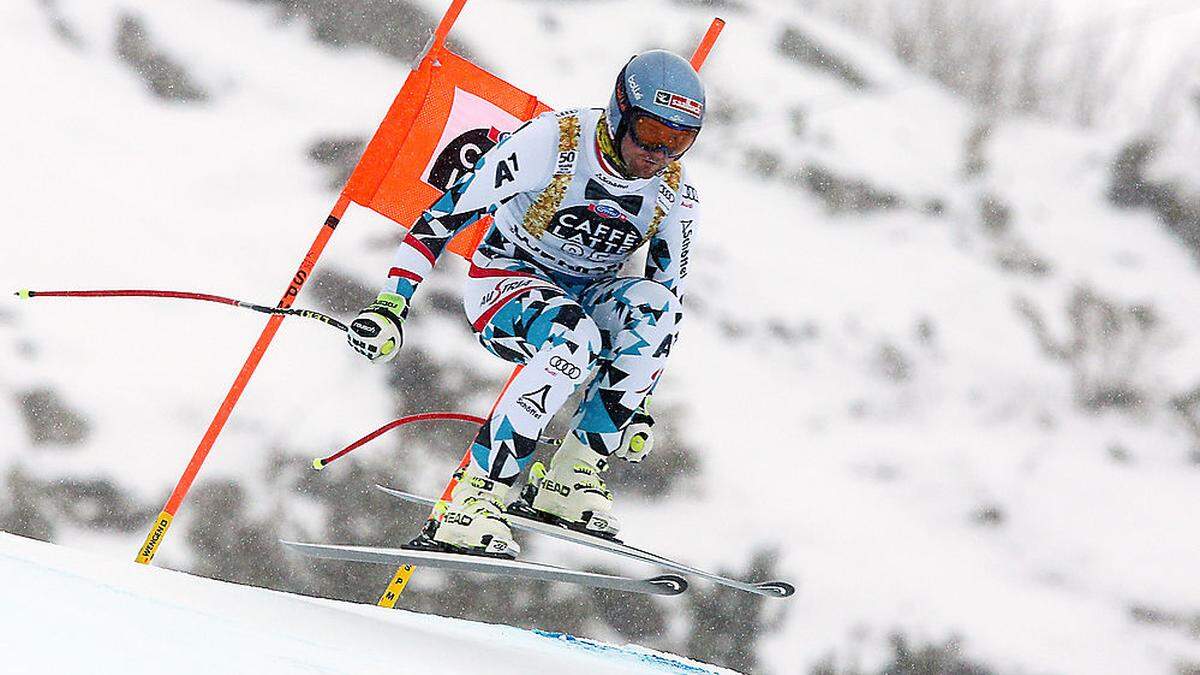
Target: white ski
(666,584)
(770,589)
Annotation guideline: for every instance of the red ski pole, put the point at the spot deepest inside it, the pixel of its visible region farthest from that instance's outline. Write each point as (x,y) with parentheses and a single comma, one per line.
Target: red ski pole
(186,295)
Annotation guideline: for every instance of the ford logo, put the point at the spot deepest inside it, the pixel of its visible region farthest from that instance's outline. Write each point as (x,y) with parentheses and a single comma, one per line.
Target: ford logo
(606,211)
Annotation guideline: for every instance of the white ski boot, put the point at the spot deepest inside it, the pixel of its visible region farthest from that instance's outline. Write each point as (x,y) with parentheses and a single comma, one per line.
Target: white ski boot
(474,520)
(571,492)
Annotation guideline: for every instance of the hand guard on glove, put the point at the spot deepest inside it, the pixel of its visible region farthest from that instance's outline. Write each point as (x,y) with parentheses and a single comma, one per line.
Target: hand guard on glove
(638,439)
(377,331)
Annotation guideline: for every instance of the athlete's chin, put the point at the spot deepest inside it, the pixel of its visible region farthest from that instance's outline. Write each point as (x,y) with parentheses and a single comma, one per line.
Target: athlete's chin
(645,169)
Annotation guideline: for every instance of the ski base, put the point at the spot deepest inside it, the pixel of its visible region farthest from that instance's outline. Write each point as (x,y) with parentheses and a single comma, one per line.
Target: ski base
(518,519)
(665,584)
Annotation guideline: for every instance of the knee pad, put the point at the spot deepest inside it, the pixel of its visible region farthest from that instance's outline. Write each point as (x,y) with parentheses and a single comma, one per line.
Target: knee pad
(650,298)
(565,321)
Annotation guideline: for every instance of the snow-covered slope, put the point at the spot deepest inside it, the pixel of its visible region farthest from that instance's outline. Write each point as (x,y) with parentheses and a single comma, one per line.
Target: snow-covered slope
(865,388)
(71,612)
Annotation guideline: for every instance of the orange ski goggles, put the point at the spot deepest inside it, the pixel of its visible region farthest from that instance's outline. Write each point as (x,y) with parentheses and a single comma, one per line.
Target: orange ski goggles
(652,135)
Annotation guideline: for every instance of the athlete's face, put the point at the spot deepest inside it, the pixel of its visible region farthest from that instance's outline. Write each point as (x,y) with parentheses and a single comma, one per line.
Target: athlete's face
(642,163)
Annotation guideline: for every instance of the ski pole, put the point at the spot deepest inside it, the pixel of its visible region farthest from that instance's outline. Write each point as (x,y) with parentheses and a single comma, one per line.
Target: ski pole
(322,462)
(187,295)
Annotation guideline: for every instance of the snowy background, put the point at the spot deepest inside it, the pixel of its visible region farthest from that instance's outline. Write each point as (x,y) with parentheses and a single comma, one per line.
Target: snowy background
(940,366)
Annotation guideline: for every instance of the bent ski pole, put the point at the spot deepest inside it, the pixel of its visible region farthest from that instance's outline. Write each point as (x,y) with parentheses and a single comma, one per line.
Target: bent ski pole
(322,462)
(187,295)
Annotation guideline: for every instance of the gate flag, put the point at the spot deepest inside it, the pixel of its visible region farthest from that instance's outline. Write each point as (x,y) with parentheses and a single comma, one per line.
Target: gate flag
(447,114)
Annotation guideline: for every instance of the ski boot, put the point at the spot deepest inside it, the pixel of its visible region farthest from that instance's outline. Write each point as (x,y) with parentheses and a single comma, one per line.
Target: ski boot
(473,520)
(571,492)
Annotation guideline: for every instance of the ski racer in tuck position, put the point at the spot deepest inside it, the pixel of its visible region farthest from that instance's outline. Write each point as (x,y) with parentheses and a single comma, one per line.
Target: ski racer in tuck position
(573,195)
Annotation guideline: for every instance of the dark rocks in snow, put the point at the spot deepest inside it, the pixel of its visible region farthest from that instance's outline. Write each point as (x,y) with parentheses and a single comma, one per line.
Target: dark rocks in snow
(100,504)
(926,331)
(49,420)
(443,303)
(657,477)
(23,509)
(398,28)
(907,659)
(1178,621)
(763,163)
(974,151)
(1130,187)
(733,330)
(892,364)
(1119,453)
(1015,256)
(727,624)
(842,194)
(994,214)
(802,48)
(34,507)
(232,543)
(425,382)
(61,27)
(339,155)
(1104,348)
(725,109)
(790,334)
(988,516)
(165,78)
(339,293)
(629,614)
(735,5)
(1187,406)
(1012,253)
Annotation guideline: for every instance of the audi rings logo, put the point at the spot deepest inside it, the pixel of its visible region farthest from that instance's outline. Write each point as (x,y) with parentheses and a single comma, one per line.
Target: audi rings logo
(565,367)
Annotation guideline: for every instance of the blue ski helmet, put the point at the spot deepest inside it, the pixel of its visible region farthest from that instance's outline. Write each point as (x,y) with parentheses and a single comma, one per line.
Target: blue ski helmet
(658,84)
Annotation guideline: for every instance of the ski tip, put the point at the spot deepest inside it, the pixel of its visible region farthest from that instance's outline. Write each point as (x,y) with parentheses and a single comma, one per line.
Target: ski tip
(776,589)
(294,545)
(318,464)
(669,584)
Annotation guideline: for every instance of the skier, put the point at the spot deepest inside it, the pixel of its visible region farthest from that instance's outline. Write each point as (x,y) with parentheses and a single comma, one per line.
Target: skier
(573,194)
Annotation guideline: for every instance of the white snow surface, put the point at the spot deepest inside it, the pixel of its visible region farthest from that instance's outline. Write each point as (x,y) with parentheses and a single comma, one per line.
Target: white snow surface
(867,486)
(113,614)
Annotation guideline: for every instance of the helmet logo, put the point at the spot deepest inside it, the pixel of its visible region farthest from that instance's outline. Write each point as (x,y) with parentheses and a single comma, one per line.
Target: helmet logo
(679,102)
(635,88)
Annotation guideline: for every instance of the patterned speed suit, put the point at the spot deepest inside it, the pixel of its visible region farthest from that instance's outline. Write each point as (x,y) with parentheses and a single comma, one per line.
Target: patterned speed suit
(543,288)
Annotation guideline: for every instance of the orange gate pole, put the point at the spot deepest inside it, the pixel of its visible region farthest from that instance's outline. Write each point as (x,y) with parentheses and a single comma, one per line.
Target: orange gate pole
(706,43)
(159,531)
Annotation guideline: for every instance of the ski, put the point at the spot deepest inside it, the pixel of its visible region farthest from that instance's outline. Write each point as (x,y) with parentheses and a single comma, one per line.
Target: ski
(770,589)
(666,584)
